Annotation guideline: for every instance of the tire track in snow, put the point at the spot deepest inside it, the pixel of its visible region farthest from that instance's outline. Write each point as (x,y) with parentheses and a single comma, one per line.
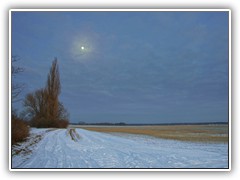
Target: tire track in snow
(57,149)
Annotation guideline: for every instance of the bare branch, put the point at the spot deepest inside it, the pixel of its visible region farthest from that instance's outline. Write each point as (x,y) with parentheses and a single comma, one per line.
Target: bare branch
(17,88)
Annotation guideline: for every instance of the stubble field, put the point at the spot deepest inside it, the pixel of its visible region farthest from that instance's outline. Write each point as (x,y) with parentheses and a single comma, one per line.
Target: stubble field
(217,133)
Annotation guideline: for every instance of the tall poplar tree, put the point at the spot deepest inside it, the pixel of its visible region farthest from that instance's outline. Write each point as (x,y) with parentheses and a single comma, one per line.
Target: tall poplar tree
(53,88)
(43,105)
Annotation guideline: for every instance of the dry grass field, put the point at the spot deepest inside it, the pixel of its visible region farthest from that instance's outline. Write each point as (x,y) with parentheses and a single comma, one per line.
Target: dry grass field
(196,133)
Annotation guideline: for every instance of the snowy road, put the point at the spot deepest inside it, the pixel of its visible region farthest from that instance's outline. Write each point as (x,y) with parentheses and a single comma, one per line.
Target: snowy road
(57,149)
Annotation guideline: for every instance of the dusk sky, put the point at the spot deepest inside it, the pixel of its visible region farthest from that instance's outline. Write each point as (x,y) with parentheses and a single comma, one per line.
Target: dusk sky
(132,67)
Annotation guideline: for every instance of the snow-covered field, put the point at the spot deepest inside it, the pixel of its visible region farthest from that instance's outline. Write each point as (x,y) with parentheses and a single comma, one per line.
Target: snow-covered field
(87,149)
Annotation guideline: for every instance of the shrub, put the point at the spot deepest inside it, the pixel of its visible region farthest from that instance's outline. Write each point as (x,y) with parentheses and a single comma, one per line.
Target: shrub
(20,130)
(63,123)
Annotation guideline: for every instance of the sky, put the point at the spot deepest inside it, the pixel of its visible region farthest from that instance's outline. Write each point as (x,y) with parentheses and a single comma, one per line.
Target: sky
(132,67)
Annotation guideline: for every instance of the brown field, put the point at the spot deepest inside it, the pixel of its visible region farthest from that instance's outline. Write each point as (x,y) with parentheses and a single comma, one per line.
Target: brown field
(196,133)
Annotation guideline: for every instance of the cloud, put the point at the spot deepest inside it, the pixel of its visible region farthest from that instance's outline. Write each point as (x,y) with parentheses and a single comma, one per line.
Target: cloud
(154,63)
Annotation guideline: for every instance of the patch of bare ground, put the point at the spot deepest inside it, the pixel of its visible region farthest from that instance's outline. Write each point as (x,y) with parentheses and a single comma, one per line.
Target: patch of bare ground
(195,133)
(73,134)
(25,147)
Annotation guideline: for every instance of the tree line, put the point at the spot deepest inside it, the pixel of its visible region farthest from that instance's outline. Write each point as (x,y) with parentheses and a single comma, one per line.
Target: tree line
(101,123)
(41,107)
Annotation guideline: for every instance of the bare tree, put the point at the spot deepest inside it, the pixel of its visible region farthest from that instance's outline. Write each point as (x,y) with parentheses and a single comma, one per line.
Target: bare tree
(43,105)
(17,88)
(53,88)
(35,103)
(19,128)
(36,107)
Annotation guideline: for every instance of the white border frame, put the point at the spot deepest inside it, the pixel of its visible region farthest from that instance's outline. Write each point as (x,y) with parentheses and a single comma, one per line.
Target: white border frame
(123,10)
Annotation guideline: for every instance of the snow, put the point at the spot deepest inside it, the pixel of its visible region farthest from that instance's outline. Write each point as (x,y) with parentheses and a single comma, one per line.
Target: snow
(89,149)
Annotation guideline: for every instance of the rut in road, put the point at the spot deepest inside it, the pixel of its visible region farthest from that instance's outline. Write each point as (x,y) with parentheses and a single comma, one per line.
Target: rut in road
(74,135)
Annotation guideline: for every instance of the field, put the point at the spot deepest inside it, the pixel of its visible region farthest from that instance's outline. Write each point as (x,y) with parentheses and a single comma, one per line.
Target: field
(195,133)
(80,148)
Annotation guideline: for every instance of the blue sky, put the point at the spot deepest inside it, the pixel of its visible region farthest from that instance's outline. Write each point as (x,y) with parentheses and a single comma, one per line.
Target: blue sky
(133,67)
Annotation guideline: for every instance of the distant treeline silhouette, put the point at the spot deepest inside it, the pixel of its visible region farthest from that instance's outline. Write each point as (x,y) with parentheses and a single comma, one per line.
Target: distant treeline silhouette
(145,124)
(101,123)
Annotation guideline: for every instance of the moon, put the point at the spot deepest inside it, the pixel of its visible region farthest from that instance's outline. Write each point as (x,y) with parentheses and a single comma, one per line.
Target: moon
(83,47)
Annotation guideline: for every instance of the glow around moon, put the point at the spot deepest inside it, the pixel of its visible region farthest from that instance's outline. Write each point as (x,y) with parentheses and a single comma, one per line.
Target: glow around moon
(83,48)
